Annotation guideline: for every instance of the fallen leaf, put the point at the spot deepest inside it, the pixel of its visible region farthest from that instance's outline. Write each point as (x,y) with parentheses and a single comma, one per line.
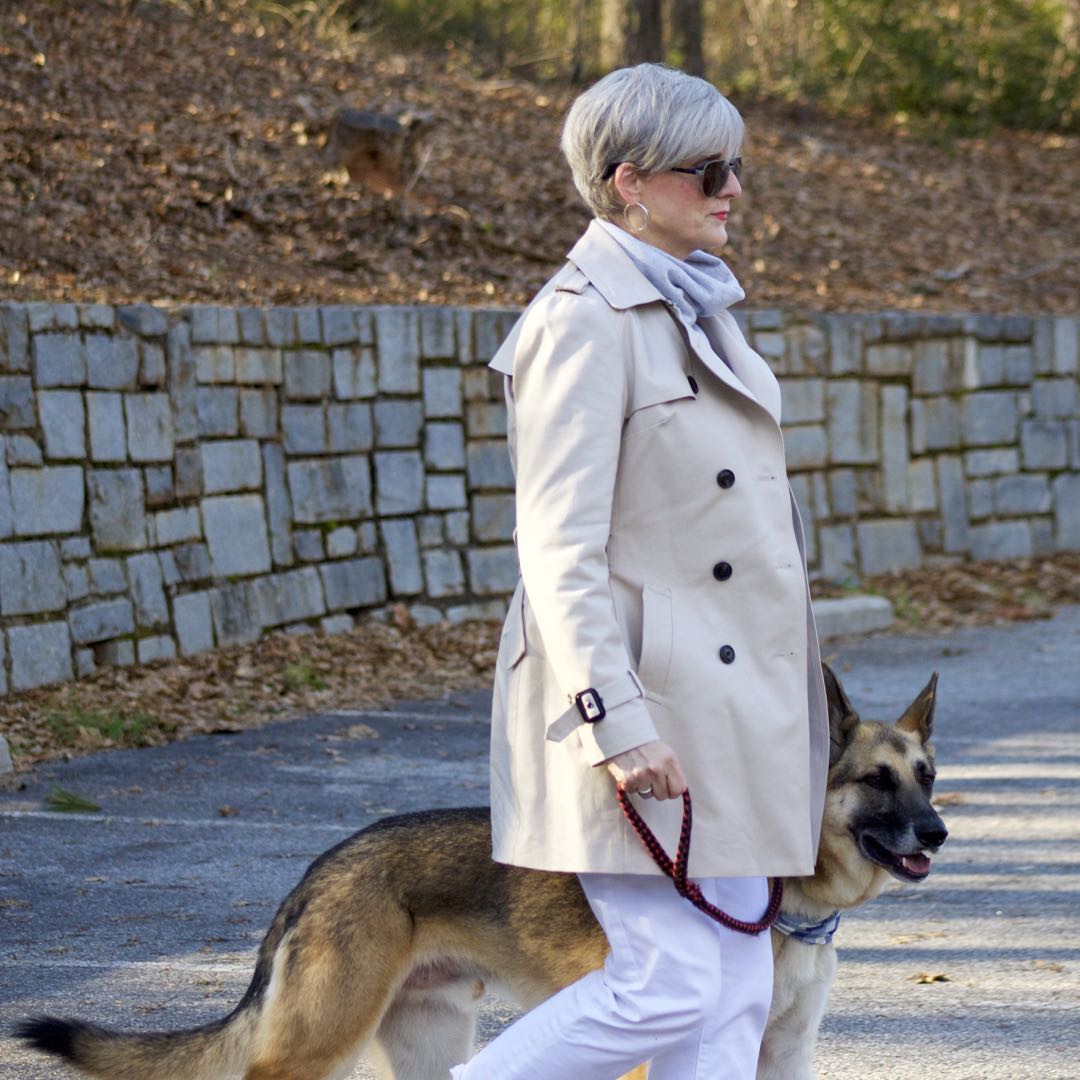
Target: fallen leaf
(910,939)
(1047,965)
(949,798)
(361,731)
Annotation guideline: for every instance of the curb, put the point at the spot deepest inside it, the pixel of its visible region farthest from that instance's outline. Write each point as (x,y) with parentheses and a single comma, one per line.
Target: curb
(852,615)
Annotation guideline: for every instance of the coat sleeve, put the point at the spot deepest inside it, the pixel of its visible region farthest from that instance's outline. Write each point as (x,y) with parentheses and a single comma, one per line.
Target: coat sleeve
(570,389)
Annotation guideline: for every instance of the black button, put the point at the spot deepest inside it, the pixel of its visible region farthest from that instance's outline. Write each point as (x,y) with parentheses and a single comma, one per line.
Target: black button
(725,478)
(693,382)
(722,571)
(727,654)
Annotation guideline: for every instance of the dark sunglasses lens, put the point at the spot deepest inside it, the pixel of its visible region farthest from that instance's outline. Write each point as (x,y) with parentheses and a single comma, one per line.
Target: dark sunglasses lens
(715,175)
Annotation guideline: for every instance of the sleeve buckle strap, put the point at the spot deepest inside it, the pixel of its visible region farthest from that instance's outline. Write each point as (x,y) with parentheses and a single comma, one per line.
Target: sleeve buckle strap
(591,706)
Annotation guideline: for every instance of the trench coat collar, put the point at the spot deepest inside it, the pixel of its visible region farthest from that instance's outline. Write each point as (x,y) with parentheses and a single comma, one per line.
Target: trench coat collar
(721,346)
(603,260)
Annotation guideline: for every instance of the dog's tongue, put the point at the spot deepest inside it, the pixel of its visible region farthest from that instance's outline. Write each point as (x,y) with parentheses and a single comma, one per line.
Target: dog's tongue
(916,864)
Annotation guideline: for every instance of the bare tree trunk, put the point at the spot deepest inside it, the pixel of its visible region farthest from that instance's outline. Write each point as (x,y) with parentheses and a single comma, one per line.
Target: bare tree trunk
(1066,65)
(582,41)
(644,31)
(612,34)
(685,29)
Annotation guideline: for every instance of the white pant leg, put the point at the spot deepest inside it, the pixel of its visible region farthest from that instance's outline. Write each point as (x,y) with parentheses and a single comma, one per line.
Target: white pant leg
(667,992)
(728,1042)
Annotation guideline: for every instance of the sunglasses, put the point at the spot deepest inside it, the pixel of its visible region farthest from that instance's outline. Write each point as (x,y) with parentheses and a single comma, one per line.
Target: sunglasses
(714,174)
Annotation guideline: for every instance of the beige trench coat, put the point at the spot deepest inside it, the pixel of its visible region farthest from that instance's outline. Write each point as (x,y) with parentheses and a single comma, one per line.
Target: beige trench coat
(662,566)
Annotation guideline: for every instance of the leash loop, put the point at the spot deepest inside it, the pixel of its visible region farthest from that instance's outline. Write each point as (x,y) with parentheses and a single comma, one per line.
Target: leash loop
(678,870)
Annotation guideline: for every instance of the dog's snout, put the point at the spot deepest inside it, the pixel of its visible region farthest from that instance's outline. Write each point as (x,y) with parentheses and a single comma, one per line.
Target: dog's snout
(932,834)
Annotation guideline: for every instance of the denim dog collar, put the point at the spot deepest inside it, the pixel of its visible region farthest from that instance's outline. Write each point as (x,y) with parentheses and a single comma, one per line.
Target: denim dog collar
(810,933)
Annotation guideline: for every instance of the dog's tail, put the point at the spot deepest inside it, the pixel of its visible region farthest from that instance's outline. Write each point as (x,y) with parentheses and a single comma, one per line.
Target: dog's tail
(271,1004)
(218,1049)
(214,1050)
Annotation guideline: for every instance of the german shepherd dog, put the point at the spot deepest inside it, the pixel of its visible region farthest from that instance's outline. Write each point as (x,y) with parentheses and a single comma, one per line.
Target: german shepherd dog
(386,945)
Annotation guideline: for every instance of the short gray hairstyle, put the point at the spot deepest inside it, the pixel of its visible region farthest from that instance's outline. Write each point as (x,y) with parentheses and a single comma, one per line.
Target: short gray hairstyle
(651,116)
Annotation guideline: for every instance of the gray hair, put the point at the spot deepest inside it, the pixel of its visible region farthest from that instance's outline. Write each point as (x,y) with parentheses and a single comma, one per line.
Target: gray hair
(651,116)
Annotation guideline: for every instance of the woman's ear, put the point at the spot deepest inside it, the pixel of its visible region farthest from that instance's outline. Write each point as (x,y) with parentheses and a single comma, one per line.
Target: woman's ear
(628,183)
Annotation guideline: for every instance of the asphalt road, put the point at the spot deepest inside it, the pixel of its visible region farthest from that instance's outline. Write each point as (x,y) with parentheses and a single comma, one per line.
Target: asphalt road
(146,915)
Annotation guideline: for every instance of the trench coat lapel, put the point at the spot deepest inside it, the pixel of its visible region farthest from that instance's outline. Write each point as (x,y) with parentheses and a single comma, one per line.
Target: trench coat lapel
(613,274)
(752,372)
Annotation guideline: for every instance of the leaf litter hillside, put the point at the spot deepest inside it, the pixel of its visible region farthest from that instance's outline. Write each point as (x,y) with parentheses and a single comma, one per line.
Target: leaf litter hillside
(149,154)
(282,675)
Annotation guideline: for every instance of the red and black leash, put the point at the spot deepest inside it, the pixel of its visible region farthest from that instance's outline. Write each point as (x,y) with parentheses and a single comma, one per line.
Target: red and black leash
(677,870)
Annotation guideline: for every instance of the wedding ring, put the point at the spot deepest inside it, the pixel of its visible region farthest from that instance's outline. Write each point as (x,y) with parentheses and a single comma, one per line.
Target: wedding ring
(645,792)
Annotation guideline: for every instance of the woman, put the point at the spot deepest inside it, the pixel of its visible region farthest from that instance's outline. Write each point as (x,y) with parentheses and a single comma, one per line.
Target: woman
(661,635)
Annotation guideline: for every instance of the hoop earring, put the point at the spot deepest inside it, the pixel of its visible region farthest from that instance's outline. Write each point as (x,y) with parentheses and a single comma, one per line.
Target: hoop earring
(626,217)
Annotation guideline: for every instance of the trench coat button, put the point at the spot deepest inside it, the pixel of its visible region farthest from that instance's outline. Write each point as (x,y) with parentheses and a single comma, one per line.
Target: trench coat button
(725,478)
(722,571)
(727,654)
(693,382)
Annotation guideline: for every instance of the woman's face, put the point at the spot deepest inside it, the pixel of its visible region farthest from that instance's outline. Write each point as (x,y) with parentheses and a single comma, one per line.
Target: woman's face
(681,218)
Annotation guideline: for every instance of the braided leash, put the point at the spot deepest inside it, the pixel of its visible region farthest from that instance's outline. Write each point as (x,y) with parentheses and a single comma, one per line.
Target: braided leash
(677,870)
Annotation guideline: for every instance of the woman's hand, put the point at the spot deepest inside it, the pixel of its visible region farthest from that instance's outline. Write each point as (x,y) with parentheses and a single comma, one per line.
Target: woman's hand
(651,770)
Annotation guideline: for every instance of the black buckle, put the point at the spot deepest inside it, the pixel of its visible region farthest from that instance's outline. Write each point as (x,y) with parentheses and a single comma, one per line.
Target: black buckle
(591,706)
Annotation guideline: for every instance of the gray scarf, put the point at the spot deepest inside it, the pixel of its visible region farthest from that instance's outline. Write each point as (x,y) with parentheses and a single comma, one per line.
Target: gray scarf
(699,285)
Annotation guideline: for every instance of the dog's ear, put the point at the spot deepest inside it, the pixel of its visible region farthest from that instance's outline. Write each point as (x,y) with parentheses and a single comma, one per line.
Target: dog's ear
(843,719)
(918,717)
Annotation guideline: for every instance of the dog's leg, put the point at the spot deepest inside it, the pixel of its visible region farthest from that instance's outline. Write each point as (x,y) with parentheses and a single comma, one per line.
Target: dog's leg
(330,985)
(426,1031)
(801,983)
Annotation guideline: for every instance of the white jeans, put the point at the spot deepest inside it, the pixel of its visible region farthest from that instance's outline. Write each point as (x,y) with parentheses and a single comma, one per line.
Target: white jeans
(677,989)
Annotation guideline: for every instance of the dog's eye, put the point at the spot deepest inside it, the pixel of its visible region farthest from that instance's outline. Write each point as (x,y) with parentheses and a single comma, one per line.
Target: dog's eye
(926,779)
(882,779)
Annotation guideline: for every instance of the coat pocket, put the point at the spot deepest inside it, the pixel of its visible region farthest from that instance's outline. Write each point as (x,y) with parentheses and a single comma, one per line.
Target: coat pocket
(513,644)
(657,638)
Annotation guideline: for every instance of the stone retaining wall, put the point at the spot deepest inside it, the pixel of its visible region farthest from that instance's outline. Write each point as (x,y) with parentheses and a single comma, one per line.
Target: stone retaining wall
(172,481)
(914,439)
(175,480)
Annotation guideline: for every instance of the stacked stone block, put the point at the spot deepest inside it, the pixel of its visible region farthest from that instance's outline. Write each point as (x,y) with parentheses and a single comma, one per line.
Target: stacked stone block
(175,481)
